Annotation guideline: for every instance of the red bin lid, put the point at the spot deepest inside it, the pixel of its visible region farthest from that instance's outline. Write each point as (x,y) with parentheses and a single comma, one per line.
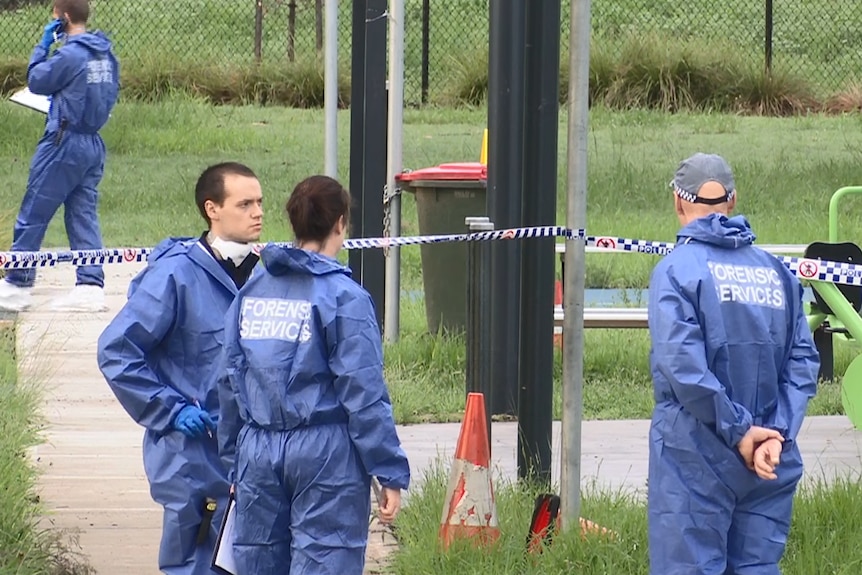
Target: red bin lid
(474,171)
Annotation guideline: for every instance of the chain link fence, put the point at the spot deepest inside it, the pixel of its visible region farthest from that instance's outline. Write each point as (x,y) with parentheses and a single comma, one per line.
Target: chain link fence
(820,40)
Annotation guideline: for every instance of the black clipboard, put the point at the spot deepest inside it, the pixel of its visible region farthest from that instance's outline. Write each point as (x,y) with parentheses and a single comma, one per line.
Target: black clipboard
(223,561)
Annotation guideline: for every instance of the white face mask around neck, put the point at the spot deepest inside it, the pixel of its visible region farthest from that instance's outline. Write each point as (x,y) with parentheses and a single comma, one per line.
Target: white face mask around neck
(234,251)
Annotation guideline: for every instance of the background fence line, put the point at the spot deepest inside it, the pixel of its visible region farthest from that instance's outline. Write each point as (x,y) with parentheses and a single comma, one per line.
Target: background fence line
(821,40)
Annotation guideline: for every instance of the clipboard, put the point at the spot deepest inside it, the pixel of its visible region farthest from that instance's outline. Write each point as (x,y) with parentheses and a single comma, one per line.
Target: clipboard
(28,99)
(223,561)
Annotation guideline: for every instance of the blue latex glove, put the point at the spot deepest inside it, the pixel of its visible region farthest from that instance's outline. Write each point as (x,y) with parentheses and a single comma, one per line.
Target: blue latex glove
(193,421)
(51,28)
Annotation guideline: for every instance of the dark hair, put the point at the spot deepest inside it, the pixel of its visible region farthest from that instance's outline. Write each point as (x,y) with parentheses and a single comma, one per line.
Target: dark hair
(210,184)
(315,206)
(78,10)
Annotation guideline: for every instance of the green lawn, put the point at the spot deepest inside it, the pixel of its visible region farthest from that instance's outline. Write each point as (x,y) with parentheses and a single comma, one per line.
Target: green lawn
(823,537)
(786,170)
(815,38)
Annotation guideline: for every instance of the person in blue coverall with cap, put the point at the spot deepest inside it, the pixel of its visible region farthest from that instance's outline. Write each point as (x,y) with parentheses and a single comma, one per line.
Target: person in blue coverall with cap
(734,365)
(160,353)
(306,418)
(82,79)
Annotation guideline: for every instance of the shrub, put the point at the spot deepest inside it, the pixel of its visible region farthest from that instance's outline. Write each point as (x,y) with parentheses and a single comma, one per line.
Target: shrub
(468,83)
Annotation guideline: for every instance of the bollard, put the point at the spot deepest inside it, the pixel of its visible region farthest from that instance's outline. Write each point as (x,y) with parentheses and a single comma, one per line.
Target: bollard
(478,312)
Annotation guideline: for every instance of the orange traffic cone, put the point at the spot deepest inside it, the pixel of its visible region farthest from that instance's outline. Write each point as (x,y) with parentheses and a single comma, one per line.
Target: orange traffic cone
(471,511)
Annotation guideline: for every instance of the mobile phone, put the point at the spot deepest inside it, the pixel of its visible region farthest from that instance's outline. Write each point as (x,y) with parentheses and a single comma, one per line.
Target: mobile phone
(61,29)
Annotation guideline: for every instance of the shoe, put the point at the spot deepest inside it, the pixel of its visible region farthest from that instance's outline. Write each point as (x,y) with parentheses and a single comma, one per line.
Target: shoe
(82,298)
(12,297)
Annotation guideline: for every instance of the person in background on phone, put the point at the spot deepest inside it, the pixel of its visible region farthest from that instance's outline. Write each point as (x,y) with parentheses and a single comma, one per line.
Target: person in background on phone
(159,356)
(306,419)
(82,80)
(734,366)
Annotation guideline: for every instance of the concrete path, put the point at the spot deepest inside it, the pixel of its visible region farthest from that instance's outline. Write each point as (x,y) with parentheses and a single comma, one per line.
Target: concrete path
(93,478)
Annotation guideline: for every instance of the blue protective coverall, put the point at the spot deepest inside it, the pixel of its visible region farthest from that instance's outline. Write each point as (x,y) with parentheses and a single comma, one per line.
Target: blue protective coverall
(160,354)
(82,78)
(306,417)
(731,348)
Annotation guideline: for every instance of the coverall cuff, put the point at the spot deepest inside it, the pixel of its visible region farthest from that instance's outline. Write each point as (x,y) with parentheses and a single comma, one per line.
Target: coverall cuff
(171,419)
(394,482)
(734,434)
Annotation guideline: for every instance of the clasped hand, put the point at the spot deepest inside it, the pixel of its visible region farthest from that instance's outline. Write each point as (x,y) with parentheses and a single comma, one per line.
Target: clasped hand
(194,422)
(761,450)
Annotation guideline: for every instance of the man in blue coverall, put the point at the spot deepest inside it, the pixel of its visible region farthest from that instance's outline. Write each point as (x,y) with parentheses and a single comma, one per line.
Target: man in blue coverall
(82,79)
(160,353)
(734,366)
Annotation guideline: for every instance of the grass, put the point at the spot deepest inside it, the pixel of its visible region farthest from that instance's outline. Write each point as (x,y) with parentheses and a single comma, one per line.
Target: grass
(786,171)
(814,40)
(823,537)
(25,546)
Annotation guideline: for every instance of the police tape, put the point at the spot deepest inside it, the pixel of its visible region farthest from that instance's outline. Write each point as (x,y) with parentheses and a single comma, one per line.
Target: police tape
(804,268)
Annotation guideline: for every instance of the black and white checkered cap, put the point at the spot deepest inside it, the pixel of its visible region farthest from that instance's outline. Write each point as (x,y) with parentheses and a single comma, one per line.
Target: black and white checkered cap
(695,171)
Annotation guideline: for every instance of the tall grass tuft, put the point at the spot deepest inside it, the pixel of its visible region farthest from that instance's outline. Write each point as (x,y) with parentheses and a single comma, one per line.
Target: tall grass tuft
(772,94)
(846,101)
(653,71)
(25,545)
(468,80)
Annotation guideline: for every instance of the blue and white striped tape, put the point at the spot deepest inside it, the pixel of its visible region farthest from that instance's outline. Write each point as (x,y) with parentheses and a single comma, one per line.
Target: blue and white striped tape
(804,268)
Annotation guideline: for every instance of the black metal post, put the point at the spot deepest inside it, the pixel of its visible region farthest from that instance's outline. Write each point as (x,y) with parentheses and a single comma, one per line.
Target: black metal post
(426,47)
(768,37)
(539,208)
(357,135)
(374,262)
(505,171)
(258,30)
(823,342)
(478,326)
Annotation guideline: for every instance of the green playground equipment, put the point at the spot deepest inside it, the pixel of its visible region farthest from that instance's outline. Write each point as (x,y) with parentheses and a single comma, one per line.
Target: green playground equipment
(835,309)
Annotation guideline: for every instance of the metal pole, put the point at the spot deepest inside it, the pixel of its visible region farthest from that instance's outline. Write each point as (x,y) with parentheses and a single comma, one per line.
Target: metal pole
(330,92)
(478,327)
(358,54)
(505,170)
(768,37)
(573,292)
(258,30)
(539,208)
(426,47)
(392,317)
(374,264)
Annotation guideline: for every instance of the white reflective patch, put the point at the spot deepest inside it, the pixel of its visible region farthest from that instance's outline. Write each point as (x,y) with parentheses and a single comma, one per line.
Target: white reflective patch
(274,318)
(749,285)
(100,72)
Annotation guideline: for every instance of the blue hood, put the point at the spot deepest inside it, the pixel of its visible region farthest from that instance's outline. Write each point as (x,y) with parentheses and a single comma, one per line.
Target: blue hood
(719,230)
(171,246)
(280,260)
(95,41)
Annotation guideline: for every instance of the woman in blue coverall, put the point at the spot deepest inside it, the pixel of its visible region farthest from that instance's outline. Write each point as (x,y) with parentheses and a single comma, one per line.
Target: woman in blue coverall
(306,418)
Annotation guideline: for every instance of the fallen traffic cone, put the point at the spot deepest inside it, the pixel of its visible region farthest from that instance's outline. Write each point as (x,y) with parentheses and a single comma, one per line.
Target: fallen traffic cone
(471,511)
(546,521)
(588,526)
